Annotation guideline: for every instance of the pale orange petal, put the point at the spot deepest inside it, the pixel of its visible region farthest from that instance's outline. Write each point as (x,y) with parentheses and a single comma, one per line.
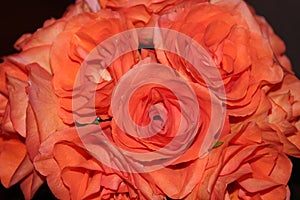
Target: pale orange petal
(18,100)
(43,101)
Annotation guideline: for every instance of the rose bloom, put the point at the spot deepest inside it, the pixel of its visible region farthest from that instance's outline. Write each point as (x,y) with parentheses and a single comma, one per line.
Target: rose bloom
(72,173)
(278,115)
(26,90)
(14,160)
(249,168)
(284,116)
(242,63)
(233,38)
(19,144)
(45,106)
(140,13)
(80,35)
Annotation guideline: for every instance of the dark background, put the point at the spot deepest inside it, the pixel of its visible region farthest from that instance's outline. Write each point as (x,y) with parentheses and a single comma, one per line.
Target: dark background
(18,17)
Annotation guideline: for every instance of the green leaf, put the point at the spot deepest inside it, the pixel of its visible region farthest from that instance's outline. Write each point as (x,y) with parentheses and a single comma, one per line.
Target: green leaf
(217,144)
(97,121)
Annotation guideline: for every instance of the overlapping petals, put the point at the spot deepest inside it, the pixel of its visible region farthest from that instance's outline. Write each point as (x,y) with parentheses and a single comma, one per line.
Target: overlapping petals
(232,37)
(142,124)
(72,173)
(80,36)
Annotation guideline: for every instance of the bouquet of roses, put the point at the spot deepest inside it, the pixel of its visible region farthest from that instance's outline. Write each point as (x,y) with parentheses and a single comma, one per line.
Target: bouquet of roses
(124,99)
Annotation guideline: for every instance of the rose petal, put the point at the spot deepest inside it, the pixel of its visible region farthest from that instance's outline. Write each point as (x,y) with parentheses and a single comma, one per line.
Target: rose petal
(13,161)
(255,185)
(178,181)
(32,133)
(38,55)
(43,36)
(239,154)
(215,32)
(31,184)
(94,5)
(18,100)
(49,168)
(42,98)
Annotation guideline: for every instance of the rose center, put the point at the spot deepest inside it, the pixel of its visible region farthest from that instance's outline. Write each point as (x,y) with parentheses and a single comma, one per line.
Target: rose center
(158,116)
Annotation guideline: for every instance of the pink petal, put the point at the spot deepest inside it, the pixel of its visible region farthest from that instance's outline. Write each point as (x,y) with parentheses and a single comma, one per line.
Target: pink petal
(43,101)
(18,101)
(32,134)
(39,55)
(49,168)
(94,5)
(14,163)
(43,36)
(31,184)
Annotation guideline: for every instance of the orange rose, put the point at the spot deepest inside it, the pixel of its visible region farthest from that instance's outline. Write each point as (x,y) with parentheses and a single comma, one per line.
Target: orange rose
(276,43)
(150,5)
(229,32)
(25,124)
(140,13)
(85,109)
(26,91)
(162,127)
(284,116)
(247,168)
(72,173)
(16,163)
(277,113)
(81,35)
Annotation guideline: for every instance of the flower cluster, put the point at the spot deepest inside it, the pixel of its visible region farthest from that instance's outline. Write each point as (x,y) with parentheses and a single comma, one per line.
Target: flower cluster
(150,99)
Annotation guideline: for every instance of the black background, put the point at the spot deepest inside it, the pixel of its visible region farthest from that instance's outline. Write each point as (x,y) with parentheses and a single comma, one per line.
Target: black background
(19,16)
